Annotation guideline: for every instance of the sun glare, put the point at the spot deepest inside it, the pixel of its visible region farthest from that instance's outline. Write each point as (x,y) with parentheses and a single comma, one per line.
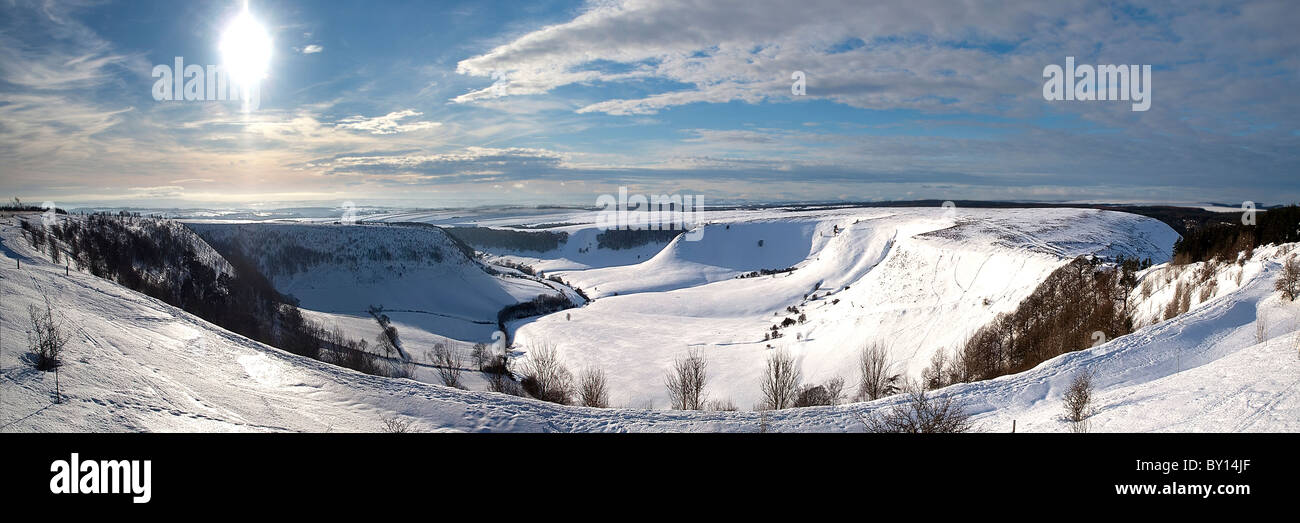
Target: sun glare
(246,49)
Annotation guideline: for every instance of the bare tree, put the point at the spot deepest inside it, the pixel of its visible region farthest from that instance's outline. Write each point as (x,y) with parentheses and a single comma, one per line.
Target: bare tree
(46,338)
(835,390)
(480,355)
(592,390)
(920,413)
(449,364)
(1289,281)
(1078,402)
(388,339)
(545,378)
(686,381)
(876,381)
(780,384)
(936,375)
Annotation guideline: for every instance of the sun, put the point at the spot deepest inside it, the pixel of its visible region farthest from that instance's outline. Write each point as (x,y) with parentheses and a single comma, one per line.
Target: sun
(246,50)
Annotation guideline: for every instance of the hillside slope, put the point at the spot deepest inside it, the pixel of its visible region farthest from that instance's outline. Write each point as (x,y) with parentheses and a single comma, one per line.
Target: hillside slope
(136,364)
(419,275)
(914,280)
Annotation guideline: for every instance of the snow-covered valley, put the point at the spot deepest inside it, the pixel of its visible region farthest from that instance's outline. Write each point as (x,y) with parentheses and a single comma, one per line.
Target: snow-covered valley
(914,280)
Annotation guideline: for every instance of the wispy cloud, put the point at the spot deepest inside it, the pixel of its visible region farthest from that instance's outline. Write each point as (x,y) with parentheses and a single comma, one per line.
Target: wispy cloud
(390,123)
(929,55)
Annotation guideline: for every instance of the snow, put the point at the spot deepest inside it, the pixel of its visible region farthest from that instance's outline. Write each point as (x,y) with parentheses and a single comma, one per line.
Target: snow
(914,280)
(432,292)
(137,364)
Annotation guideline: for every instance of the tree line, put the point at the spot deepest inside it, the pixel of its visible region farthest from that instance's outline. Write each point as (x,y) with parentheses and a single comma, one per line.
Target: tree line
(482,237)
(1223,241)
(161,258)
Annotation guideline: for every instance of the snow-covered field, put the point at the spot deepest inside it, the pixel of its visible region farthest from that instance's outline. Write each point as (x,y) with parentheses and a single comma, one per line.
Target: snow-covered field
(916,280)
(913,280)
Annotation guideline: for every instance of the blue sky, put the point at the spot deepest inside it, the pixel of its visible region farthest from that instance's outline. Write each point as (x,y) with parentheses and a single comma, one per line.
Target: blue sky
(426,103)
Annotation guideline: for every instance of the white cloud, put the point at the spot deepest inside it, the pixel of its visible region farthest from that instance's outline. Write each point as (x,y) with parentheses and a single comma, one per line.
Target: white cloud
(387,124)
(746,50)
(932,55)
(472,162)
(312,49)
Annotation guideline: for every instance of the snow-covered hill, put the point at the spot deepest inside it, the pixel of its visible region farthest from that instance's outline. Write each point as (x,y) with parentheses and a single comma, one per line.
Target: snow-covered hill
(1167,290)
(431,289)
(913,280)
(136,364)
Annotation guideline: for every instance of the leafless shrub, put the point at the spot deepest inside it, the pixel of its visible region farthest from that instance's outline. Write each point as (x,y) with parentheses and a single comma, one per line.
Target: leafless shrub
(503,383)
(876,380)
(1261,327)
(545,378)
(396,425)
(401,368)
(686,381)
(1078,402)
(592,390)
(920,413)
(722,406)
(780,384)
(449,364)
(1207,271)
(1182,294)
(645,404)
(1208,291)
(1289,281)
(826,394)
(46,338)
(353,355)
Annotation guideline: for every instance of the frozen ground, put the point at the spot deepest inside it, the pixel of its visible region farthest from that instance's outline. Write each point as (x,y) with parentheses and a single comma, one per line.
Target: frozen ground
(914,280)
(433,292)
(136,364)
